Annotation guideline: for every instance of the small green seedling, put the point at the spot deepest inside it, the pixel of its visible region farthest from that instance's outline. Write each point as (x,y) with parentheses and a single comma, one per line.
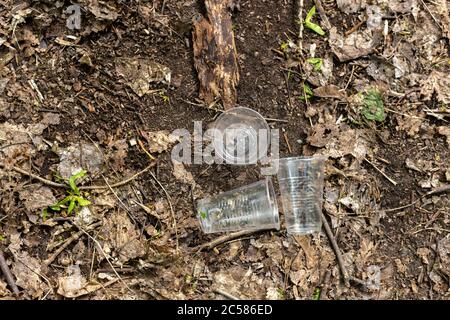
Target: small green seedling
(74,199)
(310,25)
(164,97)
(203,214)
(316,62)
(2,238)
(316,294)
(308,94)
(373,107)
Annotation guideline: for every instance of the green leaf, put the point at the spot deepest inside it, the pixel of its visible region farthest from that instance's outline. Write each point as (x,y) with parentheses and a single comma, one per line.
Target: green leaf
(373,107)
(203,214)
(316,62)
(44,214)
(1,238)
(82,202)
(74,178)
(307,93)
(310,25)
(71,206)
(310,14)
(316,294)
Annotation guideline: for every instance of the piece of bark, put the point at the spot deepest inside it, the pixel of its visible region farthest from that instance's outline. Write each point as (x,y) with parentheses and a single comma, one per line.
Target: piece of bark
(215,56)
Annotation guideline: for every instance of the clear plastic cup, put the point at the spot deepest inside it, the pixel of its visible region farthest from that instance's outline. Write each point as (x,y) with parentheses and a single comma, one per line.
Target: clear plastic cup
(250,207)
(301,188)
(241,136)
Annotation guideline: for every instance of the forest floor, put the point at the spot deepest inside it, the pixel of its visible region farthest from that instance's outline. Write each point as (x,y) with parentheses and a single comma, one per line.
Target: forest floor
(375,101)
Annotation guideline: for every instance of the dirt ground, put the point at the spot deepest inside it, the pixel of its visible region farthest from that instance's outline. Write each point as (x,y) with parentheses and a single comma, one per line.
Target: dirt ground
(85,98)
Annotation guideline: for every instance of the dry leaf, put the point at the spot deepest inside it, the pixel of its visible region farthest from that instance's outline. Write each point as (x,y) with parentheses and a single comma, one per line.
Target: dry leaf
(139,73)
(37,197)
(438,82)
(74,284)
(181,174)
(159,141)
(445,131)
(355,45)
(26,270)
(77,157)
(120,238)
(329,91)
(102,11)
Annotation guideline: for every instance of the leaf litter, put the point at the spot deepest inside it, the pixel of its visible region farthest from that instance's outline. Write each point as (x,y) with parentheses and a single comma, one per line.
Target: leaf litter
(399,49)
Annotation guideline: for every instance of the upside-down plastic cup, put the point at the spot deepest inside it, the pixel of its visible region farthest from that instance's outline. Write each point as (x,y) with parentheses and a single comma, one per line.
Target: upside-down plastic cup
(301,188)
(241,136)
(250,207)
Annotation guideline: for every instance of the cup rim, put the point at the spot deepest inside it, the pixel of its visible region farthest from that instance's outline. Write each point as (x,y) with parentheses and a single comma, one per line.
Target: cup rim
(230,159)
(302,158)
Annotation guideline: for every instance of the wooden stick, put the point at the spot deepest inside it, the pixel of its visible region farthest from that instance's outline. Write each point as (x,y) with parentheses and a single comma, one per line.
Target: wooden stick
(336,249)
(8,275)
(210,245)
(73,238)
(225,294)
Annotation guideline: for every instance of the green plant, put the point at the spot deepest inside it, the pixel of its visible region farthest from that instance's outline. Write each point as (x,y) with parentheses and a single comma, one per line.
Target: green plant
(373,107)
(203,214)
(307,93)
(2,238)
(74,199)
(316,294)
(316,62)
(164,97)
(310,25)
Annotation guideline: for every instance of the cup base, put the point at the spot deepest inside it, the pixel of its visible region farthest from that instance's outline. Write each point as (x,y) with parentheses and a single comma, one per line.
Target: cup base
(304,230)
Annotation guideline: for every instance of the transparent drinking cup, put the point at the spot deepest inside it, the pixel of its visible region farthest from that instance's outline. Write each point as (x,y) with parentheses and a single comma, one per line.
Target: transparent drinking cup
(250,207)
(301,188)
(241,136)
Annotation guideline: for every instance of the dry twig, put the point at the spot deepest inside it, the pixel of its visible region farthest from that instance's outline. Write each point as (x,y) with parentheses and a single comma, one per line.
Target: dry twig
(8,275)
(73,238)
(210,245)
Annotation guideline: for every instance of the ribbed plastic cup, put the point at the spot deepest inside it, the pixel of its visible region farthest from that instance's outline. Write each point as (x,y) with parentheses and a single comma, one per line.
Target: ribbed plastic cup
(301,188)
(250,207)
(241,136)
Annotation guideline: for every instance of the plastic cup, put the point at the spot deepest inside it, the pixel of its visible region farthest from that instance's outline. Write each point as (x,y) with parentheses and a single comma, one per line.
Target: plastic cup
(301,187)
(250,207)
(241,136)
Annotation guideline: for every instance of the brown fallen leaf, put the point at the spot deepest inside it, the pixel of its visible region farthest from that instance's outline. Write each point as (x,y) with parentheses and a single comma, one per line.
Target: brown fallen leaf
(74,284)
(445,131)
(215,57)
(329,91)
(181,174)
(355,45)
(101,11)
(139,73)
(159,141)
(438,82)
(120,238)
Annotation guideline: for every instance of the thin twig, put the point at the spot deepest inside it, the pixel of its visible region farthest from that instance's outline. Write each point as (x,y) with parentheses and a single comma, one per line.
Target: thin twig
(300,21)
(118,184)
(213,243)
(225,294)
(445,188)
(8,275)
(336,249)
(323,14)
(120,200)
(384,174)
(43,180)
(172,212)
(73,238)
